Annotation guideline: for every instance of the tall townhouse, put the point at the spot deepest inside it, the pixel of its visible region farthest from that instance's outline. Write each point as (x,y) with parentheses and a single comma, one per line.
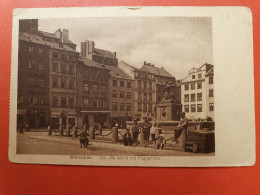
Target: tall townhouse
(197,92)
(49,60)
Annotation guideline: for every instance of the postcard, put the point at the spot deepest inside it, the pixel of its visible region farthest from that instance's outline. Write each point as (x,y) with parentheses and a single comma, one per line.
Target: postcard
(142,86)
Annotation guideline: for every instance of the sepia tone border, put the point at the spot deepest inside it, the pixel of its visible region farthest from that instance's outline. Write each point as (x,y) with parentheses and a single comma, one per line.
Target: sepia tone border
(234,86)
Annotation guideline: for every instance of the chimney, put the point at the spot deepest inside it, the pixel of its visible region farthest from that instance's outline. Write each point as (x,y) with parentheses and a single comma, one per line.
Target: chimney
(115,54)
(149,64)
(144,62)
(65,36)
(90,46)
(83,49)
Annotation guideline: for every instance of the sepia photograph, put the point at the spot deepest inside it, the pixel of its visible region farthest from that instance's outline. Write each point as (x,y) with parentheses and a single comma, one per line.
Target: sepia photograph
(115,88)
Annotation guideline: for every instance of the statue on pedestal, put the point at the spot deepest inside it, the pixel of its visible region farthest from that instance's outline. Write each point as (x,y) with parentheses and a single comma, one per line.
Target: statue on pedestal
(169,91)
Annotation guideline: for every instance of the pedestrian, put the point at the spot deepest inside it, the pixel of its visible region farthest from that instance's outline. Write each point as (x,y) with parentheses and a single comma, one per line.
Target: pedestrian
(160,142)
(135,132)
(83,139)
(127,140)
(21,128)
(146,130)
(152,131)
(27,127)
(157,131)
(183,124)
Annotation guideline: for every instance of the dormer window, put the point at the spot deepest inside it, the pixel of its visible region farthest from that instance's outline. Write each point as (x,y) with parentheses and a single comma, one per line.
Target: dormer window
(193,76)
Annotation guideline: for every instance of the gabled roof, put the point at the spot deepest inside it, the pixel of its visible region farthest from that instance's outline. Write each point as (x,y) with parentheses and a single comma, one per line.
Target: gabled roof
(156,70)
(210,72)
(39,40)
(117,72)
(104,53)
(90,63)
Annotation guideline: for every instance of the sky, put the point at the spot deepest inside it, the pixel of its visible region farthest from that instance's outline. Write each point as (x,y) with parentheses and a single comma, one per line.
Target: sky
(175,43)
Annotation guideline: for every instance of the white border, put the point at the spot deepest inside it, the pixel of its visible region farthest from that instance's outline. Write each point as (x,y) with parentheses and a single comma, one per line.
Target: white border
(233,88)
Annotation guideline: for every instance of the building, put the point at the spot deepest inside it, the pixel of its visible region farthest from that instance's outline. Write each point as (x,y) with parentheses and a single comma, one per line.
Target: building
(197,93)
(120,84)
(162,77)
(144,91)
(33,106)
(49,62)
(92,93)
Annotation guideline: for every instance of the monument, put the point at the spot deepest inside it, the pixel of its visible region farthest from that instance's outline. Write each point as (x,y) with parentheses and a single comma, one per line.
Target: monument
(169,108)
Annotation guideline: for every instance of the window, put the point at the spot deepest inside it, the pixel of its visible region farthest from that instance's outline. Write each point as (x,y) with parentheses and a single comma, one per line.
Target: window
(122,84)
(85,102)
(55,101)
(211,80)
(31,82)
(199,96)
(20,100)
(41,101)
(55,55)
(63,83)
(85,87)
(139,108)
(103,89)
(31,48)
(199,85)
(192,86)
(41,82)
(34,100)
(211,106)
(193,76)
(186,87)
(211,93)
(71,71)
(104,103)
(186,98)
(71,84)
(150,109)
(150,85)
(145,108)
(41,66)
(71,102)
(128,95)
(95,103)
(193,108)
(199,108)
(140,96)
(128,84)
(192,97)
(122,94)
(145,84)
(63,68)
(95,87)
(63,56)
(186,108)
(122,106)
(199,75)
(114,94)
(114,82)
(128,107)
(150,97)
(40,50)
(55,67)
(145,96)
(63,101)
(139,84)
(31,64)
(54,82)
(114,106)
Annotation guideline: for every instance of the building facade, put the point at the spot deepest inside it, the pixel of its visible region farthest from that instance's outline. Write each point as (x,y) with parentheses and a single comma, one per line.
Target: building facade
(120,84)
(92,93)
(197,91)
(49,62)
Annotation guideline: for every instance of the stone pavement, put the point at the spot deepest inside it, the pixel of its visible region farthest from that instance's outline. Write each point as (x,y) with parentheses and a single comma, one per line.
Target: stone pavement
(169,150)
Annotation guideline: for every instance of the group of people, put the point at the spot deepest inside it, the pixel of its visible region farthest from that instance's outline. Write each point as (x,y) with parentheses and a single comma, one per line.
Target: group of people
(148,130)
(154,131)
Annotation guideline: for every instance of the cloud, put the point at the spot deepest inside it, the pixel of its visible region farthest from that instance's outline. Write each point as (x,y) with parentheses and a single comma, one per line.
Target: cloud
(171,42)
